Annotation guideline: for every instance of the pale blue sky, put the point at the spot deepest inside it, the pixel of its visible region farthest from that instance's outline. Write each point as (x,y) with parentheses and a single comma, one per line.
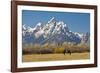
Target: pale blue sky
(77,22)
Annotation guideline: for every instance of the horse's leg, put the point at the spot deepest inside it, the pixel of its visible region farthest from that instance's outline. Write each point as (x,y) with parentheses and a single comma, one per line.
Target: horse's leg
(64,52)
(70,53)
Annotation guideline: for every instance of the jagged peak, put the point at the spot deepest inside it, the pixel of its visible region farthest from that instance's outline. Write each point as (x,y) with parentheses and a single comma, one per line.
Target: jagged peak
(39,24)
(24,27)
(51,20)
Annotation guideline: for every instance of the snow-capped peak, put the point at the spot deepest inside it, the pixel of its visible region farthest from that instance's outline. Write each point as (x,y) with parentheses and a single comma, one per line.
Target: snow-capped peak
(79,34)
(38,27)
(24,27)
(30,29)
(39,24)
(51,20)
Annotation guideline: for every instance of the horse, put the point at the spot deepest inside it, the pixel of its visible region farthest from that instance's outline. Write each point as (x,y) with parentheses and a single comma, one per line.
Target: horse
(67,51)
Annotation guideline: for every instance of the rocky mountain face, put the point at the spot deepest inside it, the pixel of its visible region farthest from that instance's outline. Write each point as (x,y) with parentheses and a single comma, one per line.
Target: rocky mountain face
(52,32)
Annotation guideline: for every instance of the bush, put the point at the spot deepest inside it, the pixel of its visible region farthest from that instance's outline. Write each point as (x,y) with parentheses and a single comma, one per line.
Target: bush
(58,50)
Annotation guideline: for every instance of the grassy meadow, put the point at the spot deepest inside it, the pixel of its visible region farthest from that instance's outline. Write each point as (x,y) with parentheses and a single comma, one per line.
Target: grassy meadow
(53,52)
(54,57)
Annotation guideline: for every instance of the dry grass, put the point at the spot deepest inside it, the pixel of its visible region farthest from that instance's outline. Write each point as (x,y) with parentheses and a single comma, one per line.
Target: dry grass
(54,57)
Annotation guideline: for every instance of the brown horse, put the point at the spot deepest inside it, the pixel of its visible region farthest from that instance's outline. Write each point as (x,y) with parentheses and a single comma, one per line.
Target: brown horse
(67,51)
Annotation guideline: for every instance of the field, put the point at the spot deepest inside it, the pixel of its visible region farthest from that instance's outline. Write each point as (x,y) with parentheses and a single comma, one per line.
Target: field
(53,52)
(54,57)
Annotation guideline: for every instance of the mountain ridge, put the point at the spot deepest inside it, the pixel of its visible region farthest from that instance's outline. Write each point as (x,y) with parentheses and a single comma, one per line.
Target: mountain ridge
(51,32)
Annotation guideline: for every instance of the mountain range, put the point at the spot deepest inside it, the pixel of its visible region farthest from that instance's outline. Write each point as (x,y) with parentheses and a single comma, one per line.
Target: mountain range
(52,32)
